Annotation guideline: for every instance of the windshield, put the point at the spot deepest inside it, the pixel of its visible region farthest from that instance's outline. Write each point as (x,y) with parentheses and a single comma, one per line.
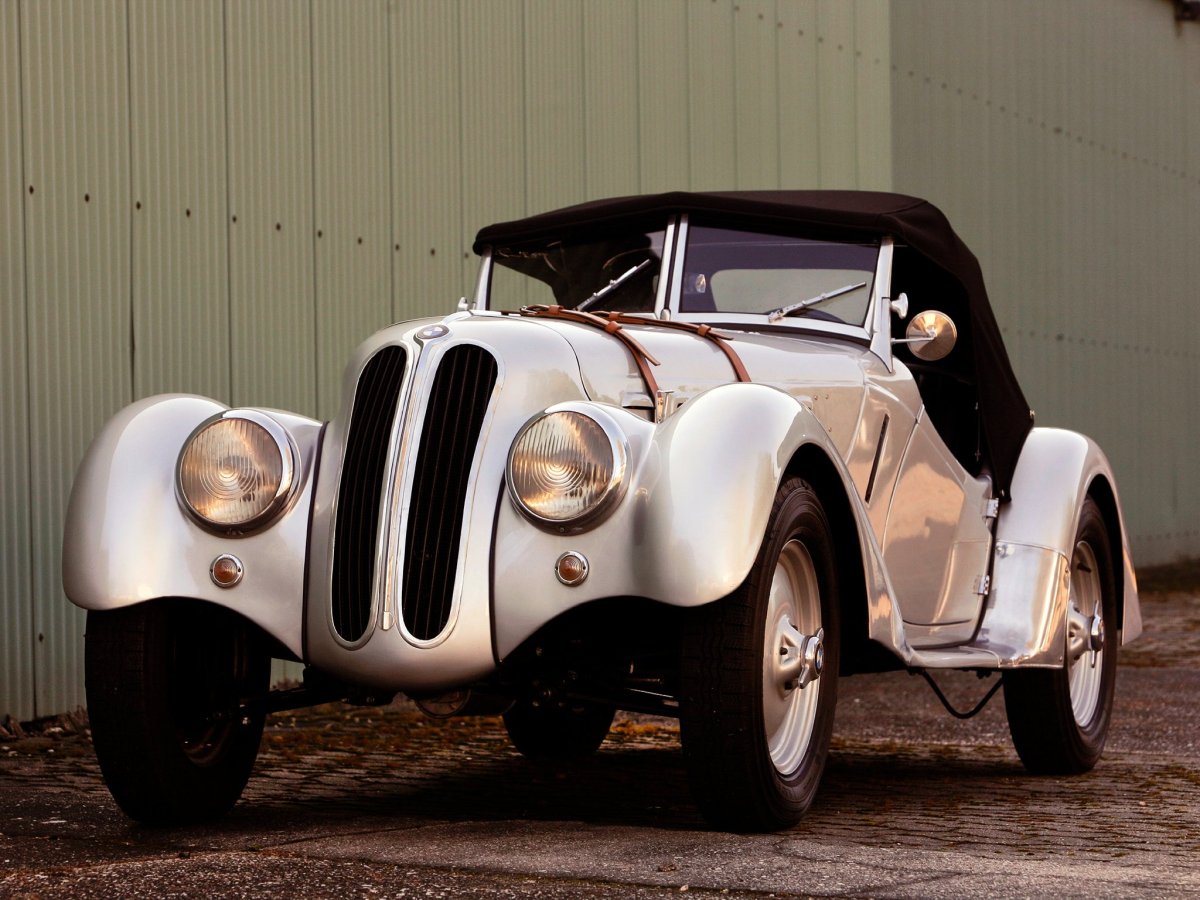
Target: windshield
(618,272)
(745,272)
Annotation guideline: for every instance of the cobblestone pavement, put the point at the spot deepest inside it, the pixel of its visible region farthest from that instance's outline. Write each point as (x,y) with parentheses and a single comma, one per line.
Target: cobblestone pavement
(385,802)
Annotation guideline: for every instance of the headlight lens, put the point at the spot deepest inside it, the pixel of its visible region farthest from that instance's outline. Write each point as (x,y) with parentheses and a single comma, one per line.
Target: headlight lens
(236,470)
(566,467)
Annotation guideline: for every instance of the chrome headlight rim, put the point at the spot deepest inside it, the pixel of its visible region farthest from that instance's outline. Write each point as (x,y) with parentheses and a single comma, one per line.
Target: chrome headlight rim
(286,489)
(613,491)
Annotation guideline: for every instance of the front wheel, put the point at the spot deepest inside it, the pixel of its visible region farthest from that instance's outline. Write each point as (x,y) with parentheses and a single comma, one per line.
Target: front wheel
(165,682)
(1059,718)
(759,676)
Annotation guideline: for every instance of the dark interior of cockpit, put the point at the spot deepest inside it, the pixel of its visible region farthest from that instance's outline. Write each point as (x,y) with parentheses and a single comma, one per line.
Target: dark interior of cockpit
(617,273)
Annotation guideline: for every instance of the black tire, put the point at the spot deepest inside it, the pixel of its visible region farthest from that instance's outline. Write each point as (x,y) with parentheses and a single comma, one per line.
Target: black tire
(729,724)
(164,681)
(1056,733)
(553,732)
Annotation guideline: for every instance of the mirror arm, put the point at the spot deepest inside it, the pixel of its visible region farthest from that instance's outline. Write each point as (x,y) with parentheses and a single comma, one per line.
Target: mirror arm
(925,339)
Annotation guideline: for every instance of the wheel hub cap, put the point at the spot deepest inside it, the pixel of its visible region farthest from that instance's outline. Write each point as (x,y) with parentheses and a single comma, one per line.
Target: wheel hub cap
(801,656)
(1086,635)
(793,657)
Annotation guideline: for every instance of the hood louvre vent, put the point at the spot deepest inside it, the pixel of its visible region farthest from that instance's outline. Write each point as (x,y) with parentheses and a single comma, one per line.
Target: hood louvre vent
(458,403)
(357,524)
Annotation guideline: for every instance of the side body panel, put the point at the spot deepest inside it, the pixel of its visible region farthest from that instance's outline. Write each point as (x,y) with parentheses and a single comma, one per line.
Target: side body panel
(1024,623)
(937,541)
(128,540)
(927,512)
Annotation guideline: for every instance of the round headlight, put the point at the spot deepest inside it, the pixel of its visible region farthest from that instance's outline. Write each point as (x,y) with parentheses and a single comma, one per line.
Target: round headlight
(236,470)
(566,467)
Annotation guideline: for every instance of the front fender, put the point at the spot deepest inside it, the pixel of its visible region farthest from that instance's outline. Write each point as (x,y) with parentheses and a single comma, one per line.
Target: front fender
(127,540)
(1035,539)
(688,530)
(709,486)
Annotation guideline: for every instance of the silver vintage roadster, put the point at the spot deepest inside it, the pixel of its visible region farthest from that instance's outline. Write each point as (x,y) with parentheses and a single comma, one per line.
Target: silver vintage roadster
(695,455)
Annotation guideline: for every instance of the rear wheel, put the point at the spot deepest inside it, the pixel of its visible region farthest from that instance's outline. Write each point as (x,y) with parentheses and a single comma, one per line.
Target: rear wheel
(165,681)
(1059,717)
(759,676)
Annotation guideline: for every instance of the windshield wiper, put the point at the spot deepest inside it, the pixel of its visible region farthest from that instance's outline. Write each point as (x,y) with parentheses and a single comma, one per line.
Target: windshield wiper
(775,315)
(614,284)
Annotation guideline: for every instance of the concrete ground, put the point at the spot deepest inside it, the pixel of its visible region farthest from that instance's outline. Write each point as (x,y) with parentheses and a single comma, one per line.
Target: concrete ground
(388,803)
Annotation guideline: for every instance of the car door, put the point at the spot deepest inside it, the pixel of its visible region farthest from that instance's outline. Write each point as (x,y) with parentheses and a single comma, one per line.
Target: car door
(931,517)
(928,514)
(936,537)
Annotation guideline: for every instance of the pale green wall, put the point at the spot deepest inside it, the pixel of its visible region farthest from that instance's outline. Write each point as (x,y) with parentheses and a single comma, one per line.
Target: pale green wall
(1063,140)
(227,196)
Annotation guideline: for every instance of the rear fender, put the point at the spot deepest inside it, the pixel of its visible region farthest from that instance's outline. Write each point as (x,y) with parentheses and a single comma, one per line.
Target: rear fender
(127,539)
(1025,621)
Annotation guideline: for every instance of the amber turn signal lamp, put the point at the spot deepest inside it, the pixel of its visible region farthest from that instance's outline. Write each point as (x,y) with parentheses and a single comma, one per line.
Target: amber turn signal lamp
(226,570)
(571,568)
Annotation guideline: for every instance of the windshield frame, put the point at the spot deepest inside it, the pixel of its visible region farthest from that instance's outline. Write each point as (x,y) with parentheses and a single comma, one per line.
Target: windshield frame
(873,330)
(759,321)
(482,300)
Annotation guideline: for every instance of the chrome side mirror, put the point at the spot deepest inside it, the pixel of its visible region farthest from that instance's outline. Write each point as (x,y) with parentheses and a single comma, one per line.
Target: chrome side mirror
(930,335)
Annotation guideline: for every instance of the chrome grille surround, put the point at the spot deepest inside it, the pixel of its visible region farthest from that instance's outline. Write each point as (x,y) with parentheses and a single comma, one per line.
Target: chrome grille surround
(398,495)
(364,474)
(458,401)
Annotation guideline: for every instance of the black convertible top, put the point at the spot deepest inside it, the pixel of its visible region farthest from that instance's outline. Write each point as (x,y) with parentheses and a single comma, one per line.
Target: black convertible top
(1004,412)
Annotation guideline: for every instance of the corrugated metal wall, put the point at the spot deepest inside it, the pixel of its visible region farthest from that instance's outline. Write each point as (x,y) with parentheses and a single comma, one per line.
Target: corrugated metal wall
(224,196)
(78,280)
(1063,140)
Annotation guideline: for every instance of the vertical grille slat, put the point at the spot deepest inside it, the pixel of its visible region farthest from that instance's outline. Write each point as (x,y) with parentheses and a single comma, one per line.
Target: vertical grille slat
(458,401)
(372,420)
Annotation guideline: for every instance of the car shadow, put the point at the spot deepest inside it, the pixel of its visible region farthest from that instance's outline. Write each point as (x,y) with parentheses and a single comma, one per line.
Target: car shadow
(619,786)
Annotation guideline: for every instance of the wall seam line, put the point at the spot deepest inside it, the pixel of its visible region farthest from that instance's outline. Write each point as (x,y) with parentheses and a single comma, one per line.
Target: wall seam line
(524,108)
(777,31)
(312,225)
(637,90)
(228,204)
(464,227)
(391,163)
(128,205)
(32,562)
